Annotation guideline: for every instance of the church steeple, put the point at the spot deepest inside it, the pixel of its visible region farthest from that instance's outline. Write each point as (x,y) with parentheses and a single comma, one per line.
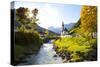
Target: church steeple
(62,26)
(64,30)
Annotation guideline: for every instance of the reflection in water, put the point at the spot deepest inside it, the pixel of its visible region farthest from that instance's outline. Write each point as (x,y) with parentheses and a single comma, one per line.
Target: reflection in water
(46,55)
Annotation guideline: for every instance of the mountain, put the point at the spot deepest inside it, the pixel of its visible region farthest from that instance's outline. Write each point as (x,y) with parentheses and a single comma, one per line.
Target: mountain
(39,29)
(58,30)
(69,26)
(42,30)
(75,27)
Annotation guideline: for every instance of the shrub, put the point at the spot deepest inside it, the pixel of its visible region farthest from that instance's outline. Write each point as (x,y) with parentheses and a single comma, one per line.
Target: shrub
(29,38)
(80,48)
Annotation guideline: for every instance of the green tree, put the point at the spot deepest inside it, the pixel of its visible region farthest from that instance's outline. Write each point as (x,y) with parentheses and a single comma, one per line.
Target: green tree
(22,17)
(34,18)
(46,32)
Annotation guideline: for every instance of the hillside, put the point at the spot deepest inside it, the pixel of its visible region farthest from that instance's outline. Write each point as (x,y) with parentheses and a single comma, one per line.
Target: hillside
(42,30)
(75,27)
(58,30)
(82,46)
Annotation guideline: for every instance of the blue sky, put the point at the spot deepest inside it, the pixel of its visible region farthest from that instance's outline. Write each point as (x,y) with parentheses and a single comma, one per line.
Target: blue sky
(51,14)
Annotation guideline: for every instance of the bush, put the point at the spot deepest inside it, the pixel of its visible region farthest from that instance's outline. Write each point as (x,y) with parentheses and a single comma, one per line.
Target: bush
(29,38)
(80,48)
(25,43)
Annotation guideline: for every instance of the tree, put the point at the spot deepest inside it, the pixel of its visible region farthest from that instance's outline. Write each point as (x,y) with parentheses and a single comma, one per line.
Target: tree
(66,29)
(88,20)
(34,19)
(26,21)
(46,32)
(22,14)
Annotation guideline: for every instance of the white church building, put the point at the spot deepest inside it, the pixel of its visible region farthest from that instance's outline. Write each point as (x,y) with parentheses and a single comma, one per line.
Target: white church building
(64,31)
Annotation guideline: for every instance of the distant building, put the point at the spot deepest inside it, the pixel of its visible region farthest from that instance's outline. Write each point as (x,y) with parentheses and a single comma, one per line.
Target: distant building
(64,31)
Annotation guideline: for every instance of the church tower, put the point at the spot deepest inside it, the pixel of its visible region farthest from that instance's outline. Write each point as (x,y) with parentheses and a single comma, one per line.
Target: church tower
(62,30)
(62,26)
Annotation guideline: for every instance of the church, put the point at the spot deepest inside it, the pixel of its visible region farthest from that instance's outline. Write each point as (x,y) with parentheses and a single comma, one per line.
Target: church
(64,30)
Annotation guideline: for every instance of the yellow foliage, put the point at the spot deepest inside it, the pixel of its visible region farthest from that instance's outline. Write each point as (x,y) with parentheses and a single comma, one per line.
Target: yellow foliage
(88,19)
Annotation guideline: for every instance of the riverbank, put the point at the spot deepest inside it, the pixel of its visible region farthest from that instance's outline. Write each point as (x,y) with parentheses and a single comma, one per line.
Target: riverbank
(26,43)
(76,49)
(46,55)
(22,52)
(65,55)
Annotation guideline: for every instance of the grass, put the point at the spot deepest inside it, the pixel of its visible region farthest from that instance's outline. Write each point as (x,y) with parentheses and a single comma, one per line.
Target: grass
(77,46)
(19,52)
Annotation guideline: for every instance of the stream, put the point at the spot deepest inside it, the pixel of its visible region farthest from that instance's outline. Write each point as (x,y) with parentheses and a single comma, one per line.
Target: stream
(46,55)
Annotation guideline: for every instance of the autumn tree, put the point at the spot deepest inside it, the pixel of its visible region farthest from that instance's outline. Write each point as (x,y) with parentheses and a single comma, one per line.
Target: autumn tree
(88,20)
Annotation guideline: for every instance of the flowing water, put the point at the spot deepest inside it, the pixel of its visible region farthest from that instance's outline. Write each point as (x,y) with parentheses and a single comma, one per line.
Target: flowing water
(46,55)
